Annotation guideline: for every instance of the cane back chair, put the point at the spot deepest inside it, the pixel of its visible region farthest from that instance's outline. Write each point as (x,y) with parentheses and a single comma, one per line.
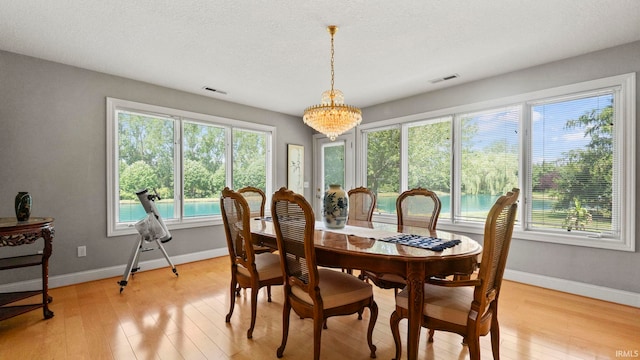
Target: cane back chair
(469,307)
(313,292)
(362,202)
(256,199)
(248,269)
(416,207)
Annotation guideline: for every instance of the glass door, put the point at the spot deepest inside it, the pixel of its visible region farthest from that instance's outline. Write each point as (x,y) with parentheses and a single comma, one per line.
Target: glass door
(334,164)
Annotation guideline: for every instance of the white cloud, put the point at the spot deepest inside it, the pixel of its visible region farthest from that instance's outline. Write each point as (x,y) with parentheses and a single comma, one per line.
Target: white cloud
(575,136)
(536,116)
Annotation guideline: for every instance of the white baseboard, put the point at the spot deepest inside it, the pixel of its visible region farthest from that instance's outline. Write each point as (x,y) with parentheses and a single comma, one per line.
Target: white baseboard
(103,273)
(568,286)
(574,287)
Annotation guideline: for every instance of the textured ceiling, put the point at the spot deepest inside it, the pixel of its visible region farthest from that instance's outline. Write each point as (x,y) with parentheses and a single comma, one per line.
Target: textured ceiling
(275,54)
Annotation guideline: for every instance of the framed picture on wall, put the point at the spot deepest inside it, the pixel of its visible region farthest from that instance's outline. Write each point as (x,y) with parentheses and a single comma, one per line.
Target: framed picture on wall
(295,168)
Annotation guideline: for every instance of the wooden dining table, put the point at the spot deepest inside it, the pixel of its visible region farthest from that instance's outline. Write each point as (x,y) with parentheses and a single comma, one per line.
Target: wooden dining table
(356,247)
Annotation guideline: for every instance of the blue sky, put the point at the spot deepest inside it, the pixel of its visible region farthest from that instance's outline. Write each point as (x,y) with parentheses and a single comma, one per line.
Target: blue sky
(549,136)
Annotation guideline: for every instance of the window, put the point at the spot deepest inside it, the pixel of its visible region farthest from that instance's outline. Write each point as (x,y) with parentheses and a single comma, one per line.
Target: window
(187,158)
(573,167)
(429,159)
(571,151)
(204,170)
(251,150)
(145,160)
(489,144)
(383,167)
(334,160)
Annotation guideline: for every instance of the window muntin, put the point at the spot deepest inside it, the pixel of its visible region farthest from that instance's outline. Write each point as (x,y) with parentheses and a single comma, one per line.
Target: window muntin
(187,157)
(489,147)
(531,225)
(573,164)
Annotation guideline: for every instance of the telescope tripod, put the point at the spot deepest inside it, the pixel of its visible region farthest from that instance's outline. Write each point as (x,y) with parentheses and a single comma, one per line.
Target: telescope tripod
(132,266)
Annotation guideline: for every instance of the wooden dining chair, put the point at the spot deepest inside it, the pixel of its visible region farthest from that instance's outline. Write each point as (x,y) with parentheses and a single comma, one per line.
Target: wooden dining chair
(469,307)
(416,207)
(256,199)
(248,269)
(362,202)
(313,292)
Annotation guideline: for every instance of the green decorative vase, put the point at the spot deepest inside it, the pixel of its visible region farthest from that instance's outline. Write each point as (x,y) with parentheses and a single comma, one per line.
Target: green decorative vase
(336,207)
(23,206)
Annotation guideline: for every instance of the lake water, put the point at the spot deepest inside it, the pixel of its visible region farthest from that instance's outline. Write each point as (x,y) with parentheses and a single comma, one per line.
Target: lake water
(470,203)
(135,211)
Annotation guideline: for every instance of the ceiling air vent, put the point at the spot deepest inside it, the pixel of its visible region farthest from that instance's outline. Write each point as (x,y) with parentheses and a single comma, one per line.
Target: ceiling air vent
(215,90)
(445,78)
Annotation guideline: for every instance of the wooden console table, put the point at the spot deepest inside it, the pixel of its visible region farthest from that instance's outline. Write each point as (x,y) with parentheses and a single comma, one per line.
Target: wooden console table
(16,233)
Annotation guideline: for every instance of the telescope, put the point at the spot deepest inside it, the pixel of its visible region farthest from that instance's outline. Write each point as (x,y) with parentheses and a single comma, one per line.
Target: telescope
(151,228)
(148,203)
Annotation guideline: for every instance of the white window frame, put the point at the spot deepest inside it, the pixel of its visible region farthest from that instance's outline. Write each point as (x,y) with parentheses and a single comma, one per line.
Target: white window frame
(115,228)
(625,112)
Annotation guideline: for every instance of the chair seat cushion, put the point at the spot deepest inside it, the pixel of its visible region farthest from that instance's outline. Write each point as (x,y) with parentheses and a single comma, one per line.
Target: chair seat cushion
(268,266)
(451,304)
(260,249)
(337,289)
(391,278)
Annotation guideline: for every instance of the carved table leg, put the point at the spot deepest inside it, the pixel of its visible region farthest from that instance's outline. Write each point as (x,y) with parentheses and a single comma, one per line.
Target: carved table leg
(415,282)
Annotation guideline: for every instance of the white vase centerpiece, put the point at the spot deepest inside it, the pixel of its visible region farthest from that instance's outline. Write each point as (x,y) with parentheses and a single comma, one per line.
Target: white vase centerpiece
(336,207)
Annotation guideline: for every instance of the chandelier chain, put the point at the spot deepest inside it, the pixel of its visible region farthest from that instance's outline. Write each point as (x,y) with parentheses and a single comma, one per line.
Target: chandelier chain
(332,71)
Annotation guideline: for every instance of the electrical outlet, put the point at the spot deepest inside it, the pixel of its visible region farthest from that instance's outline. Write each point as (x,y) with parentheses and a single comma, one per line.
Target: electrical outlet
(82,251)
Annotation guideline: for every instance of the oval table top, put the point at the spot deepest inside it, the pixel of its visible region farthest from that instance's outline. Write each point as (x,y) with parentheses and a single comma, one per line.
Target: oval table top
(352,240)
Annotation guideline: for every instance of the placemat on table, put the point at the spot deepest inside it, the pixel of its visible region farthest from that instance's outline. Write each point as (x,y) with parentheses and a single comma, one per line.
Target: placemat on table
(424,242)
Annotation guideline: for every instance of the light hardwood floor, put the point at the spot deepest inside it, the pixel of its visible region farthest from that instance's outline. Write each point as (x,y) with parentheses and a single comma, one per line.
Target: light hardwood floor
(160,316)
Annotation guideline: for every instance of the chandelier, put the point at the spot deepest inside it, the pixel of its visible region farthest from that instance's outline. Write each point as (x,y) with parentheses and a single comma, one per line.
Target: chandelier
(332,116)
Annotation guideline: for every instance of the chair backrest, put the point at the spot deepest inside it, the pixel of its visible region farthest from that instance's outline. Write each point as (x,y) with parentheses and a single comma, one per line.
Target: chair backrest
(255,198)
(498,230)
(235,215)
(418,207)
(362,201)
(294,223)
